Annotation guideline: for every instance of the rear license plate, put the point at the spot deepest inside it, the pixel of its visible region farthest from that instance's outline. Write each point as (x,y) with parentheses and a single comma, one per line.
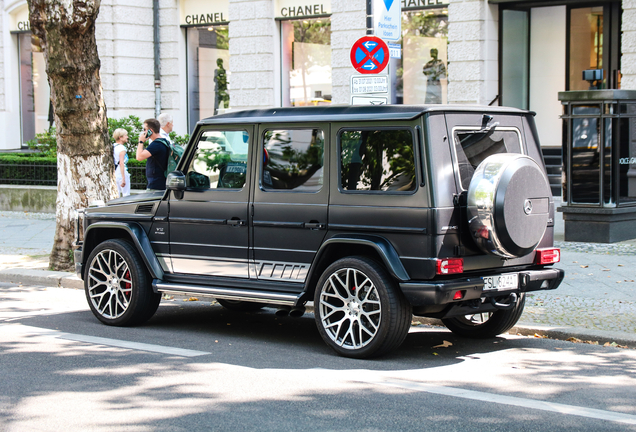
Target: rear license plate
(501,282)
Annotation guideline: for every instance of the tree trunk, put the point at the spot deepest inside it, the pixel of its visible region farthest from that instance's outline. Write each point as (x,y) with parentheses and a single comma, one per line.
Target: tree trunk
(84,159)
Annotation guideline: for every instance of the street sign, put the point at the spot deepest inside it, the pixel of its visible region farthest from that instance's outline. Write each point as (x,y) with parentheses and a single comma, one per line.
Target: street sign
(373,84)
(369,100)
(395,50)
(387,19)
(369,55)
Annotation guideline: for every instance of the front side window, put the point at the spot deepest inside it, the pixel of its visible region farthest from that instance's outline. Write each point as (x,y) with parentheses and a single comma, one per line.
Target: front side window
(220,161)
(472,146)
(293,160)
(377,160)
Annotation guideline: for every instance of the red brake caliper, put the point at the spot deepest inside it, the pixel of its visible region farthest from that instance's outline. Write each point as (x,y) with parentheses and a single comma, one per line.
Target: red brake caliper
(128,285)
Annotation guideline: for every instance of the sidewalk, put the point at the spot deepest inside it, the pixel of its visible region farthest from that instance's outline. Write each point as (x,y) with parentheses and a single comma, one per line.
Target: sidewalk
(596,301)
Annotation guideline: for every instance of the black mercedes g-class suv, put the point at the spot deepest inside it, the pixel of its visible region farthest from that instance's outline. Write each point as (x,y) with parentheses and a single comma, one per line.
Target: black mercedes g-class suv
(374,213)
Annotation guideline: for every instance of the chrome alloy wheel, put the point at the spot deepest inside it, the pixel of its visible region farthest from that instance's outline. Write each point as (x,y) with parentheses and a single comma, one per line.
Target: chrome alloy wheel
(110,284)
(350,308)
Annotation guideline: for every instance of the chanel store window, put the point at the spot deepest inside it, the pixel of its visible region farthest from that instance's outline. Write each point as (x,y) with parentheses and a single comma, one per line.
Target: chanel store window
(207,57)
(306,53)
(421,73)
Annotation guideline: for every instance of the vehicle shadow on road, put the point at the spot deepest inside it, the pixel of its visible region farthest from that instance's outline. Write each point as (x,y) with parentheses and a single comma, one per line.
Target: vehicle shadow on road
(263,340)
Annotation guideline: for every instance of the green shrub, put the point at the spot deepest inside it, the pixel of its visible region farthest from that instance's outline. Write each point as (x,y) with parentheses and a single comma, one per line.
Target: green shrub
(45,142)
(40,168)
(179,139)
(28,169)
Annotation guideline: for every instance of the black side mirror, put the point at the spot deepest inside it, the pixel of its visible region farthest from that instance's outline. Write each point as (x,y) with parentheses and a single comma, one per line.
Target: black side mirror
(176,182)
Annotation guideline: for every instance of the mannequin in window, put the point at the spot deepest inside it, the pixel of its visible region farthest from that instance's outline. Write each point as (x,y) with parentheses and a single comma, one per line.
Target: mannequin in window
(434,70)
(220,79)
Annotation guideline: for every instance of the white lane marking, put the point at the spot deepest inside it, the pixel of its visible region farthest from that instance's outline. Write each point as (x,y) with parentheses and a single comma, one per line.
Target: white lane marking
(140,346)
(508,400)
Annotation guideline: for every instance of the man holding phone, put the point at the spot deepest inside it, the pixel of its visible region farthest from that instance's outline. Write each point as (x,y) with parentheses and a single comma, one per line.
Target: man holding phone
(157,154)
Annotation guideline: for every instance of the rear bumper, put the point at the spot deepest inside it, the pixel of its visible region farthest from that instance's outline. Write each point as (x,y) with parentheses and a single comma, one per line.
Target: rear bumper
(442,292)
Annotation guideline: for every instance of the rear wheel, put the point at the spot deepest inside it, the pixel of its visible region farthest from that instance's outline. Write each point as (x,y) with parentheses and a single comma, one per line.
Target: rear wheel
(240,306)
(486,325)
(358,309)
(117,285)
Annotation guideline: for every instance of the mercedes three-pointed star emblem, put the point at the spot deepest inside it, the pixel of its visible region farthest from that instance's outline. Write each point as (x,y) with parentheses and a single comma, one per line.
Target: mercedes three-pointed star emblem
(527,207)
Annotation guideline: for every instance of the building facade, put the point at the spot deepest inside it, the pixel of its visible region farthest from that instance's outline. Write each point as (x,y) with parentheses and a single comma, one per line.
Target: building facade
(216,55)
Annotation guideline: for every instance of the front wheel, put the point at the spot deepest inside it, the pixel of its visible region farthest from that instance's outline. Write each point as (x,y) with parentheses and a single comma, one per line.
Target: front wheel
(117,285)
(486,325)
(359,311)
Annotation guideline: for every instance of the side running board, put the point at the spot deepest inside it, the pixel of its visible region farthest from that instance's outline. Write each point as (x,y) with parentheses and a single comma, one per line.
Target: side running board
(227,293)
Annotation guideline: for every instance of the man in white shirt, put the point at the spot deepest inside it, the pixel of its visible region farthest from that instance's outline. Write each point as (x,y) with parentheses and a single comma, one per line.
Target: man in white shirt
(165,120)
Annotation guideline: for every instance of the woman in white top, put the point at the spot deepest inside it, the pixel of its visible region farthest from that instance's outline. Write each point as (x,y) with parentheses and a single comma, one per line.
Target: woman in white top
(121,160)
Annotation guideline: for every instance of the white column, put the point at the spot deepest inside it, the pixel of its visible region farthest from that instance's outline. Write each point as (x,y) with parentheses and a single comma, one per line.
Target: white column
(348,24)
(10,123)
(124,33)
(628,45)
(3,16)
(254,55)
(472,52)
(170,35)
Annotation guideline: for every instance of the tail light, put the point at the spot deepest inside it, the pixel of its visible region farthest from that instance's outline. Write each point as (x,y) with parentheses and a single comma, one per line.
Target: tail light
(447,266)
(547,256)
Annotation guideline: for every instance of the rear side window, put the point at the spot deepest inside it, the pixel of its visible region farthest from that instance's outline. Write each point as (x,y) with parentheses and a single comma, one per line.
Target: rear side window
(472,146)
(377,160)
(293,160)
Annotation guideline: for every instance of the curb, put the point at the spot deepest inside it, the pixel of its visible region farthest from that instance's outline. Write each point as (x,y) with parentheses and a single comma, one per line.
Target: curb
(560,333)
(70,280)
(42,278)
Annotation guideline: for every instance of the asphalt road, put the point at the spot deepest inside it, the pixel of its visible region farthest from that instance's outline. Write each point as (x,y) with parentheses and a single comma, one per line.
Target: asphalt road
(196,366)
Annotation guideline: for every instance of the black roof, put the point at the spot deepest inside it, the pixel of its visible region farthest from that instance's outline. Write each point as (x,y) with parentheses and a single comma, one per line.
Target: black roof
(348,113)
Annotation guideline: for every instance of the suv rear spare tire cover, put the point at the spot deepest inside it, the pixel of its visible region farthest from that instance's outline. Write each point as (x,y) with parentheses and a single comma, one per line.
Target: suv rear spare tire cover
(508,205)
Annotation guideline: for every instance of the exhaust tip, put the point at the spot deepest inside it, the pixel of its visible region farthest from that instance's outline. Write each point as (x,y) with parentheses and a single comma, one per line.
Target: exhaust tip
(297,312)
(283,311)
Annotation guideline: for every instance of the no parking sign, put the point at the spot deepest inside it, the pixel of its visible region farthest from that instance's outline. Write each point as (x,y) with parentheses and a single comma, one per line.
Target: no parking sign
(369,55)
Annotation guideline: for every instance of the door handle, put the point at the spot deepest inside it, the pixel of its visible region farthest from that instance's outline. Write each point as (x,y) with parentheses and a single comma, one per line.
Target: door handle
(314,225)
(236,222)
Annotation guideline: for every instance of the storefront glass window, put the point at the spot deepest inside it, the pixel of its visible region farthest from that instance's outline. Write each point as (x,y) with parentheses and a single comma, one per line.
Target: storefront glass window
(586,164)
(35,95)
(421,74)
(208,61)
(586,45)
(627,157)
(306,63)
(515,58)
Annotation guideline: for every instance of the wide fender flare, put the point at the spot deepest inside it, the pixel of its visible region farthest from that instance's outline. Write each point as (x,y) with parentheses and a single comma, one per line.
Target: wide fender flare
(139,238)
(382,246)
